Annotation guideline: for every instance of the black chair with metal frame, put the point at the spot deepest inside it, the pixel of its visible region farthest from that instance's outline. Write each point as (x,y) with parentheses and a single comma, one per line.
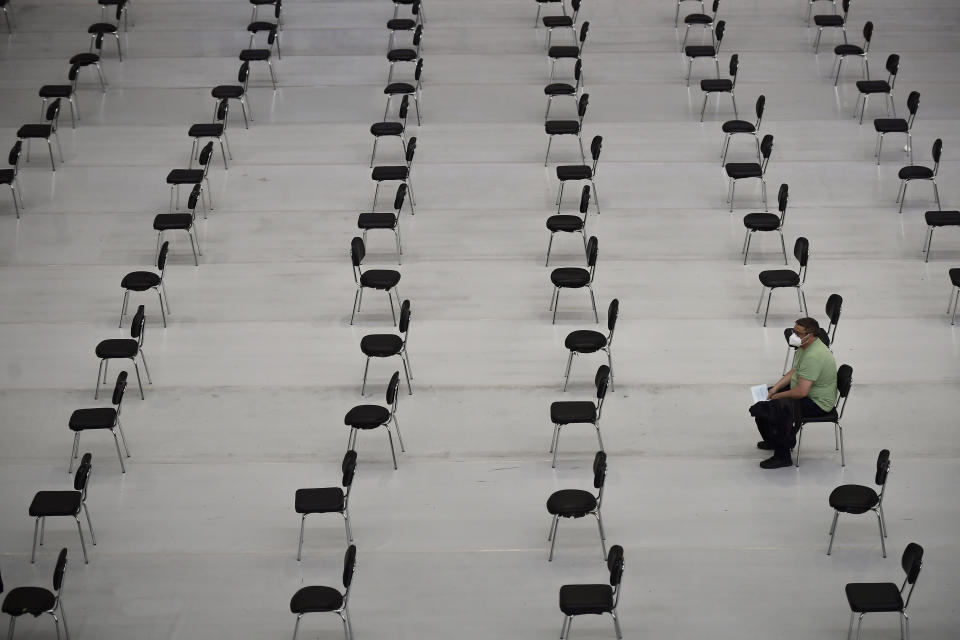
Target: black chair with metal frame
(676,17)
(695,51)
(372,416)
(578,503)
(568,223)
(884,126)
(272,29)
(581,172)
(936,219)
(86,59)
(841,51)
(99,30)
(732,127)
(260,55)
(589,341)
(56,504)
(277,10)
(596,599)
(126,349)
(810,9)
(410,3)
(826,334)
(874,597)
(540,6)
(216,130)
(404,24)
(567,412)
(379,279)
(234,92)
(704,20)
(9,176)
(743,170)
(767,222)
(868,88)
(100,418)
(44,132)
(391,128)
(576,278)
(38,600)
(182,221)
(568,52)
(192,176)
(844,383)
(389,220)
(786,278)
(65,91)
(105,4)
(555,89)
(317,599)
(386,345)
(919,172)
(562,22)
(397,173)
(568,128)
(328,499)
(140,281)
(857,499)
(405,54)
(831,21)
(954,275)
(722,85)
(413,89)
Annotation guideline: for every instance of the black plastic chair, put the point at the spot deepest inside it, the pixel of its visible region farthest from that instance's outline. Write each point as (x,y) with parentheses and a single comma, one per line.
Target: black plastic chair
(874,597)
(857,499)
(589,341)
(44,132)
(919,172)
(555,89)
(722,85)
(37,600)
(82,60)
(379,279)
(260,55)
(568,223)
(580,411)
(767,222)
(406,89)
(101,418)
(542,3)
(568,52)
(703,19)
(831,21)
(216,130)
(234,92)
(596,599)
(140,281)
(9,176)
(743,170)
(868,88)
(272,29)
(732,127)
(785,278)
(693,52)
(192,177)
(676,17)
(386,345)
(578,503)
(568,128)
(841,51)
(883,126)
(372,416)
(575,278)
(277,9)
(410,3)
(562,22)
(827,335)
(328,499)
(106,4)
(124,348)
(404,24)
(57,504)
(405,54)
(316,599)
(64,91)
(936,219)
(844,383)
(581,172)
(391,128)
(810,9)
(99,30)
(395,173)
(182,221)
(955,281)
(385,220)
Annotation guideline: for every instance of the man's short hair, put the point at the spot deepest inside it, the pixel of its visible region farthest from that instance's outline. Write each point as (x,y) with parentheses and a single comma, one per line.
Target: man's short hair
(809,325)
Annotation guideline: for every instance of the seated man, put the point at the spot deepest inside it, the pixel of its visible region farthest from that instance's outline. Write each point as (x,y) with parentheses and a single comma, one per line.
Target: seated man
(812,392)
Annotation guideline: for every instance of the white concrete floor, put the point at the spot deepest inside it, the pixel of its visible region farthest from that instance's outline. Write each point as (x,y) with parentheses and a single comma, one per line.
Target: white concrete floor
(259,363)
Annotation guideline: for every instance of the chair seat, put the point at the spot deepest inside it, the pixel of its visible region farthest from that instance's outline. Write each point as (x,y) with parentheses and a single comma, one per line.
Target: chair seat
(35,131)
(185,176)
(56,91)
(566,223)
(762,221)
(99,418)
(873,86)
(316,600)
(585,341)
(261,25)
(942,219)
(561,127)
(261,2)
(84,59)
(378,220)
(396,88)
(744,170)
(564,51)
(401,24)
(579,599)
(390,172)
(32,600)
(402,55)
(223,91)
(915,172)
(774,278)
(140,280)
(830,416)
(553,22)
(117,348)
(955,276)
(323,500)
(828,20)
(868,597)
(848,50)
(571,503)
(559,89)
(853,498)
(570,277)
(738,126)
(367,416)
(55,503)
(381,345)
(102,27)
(574,172)
(7,176)
(385,279)
(575,411)
(698,18)
(206,130)
(254,55)
(386,128)
(700,51)
(716,84)
(168,221)
(890,125)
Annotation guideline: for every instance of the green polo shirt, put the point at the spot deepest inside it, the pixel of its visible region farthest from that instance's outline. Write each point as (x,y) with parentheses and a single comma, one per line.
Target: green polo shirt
(816,363)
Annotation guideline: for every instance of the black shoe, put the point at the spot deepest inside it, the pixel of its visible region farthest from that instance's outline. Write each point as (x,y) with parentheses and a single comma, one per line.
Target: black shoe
(766,446)
(776,463)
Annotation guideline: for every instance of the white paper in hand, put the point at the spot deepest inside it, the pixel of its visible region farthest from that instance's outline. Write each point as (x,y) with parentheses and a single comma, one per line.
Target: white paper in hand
(759,392)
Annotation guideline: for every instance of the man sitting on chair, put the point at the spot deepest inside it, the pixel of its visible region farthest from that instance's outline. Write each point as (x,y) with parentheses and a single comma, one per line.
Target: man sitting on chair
(810,386)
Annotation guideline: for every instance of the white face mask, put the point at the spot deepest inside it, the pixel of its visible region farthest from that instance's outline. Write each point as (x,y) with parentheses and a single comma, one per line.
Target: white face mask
(794,340)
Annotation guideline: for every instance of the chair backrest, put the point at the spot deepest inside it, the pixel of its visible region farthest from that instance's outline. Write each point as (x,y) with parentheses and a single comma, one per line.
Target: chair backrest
(222,108)
(82,477)
(404,107)
(418,70)
(136,327)
(912,562)
(599,469)
(801,251)
(766,146)
(404,324)
(417,35)
(913,101)
(937,150)
(577,70)
(194,197)
(393,388)
(358,251)
(719,30)
(893,66)
(584,28)
(121,6)
(867,34)
(576,6)
(205,154)
(844,380)
(883,467)
(761,105)
(734,66)
(592,248)
(13,159)
(595,146)
(615,565)
(349,564)
(61,568)
(782,197)
(162,257)
(411,149)
(349,467)
(602,381)
(613,311)
(833,308)
(585,199)
(415,8)
(244,73)
(53,111)
(582,105)
(119,388)
(400,197)
(846,8)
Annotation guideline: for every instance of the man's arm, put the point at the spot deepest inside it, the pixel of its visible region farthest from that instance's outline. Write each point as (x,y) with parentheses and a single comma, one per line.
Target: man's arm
(783,382)
(800,391)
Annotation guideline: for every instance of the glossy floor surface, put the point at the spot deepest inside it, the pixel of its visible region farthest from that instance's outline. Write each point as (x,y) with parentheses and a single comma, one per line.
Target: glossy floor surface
(259,363)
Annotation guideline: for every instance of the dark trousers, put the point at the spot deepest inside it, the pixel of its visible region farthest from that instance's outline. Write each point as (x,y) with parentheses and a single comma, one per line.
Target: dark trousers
(784,436)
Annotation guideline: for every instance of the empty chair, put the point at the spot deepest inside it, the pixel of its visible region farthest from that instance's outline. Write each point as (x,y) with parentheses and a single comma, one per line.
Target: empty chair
(145,281)
(873,597)
(277,9)
(260,55)
(575,278)
(56,504)
(385,220)
(580,411)
(405,54)
(731,127)
(767,222)
(328,499)
(704,20)
(394,173)
(391,128)
(693,52)
(810,8)
(721,85)
(936,219)
(567,128)
(44,132)
(216,130)
(404,24)
(919,172)
(37,600)
(857,499)
(5,7)
(785,278)
(568,223)
(406,89)
(955,292)
(101,418)
(596,599)
(99,30)
(372,416)
(105,4)
(124,348)
(191,176)
(827,335)
(577,503)
(234,92)
(315,599)
(542,3)
(386,345)
(181,221)
(841,51)
(743,170)
(65,91)
(676,17)
(272,29)
(9,176)
(562,22)
(831,21)
(835,415)
(883,126)
(555,89)
(589,341)
(82,60)
(568,52)
(379,279)
(410,3)
(868,88)
(580,172)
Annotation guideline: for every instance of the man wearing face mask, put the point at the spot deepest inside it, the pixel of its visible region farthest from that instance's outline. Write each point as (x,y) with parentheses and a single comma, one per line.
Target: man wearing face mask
(811,387)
